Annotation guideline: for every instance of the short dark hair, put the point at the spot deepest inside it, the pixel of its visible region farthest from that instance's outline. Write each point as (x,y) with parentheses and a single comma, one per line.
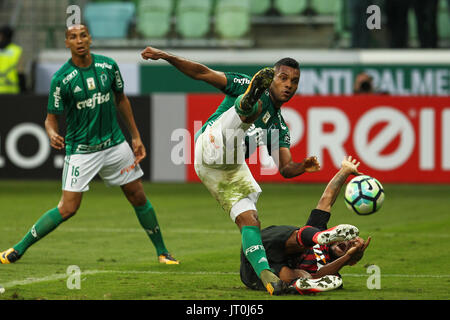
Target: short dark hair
(289,62)
(79,24)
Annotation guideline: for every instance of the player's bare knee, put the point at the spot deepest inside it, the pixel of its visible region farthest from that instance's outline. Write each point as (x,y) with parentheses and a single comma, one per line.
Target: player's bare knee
(68,210)
(248,218)
(134,192)
(139,199)
(136,197)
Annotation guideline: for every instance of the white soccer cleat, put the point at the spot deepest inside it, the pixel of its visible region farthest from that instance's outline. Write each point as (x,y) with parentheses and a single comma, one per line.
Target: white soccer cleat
(326,283)
(341,232)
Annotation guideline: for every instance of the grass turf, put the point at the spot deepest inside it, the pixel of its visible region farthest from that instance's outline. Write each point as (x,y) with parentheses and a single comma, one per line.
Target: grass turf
(410,241)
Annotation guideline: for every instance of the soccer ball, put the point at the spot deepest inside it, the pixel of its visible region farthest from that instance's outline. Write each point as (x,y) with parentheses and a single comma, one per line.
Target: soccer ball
(364,195)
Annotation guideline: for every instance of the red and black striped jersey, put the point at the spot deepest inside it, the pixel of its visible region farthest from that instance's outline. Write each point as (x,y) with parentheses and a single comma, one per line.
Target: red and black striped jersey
(314,258)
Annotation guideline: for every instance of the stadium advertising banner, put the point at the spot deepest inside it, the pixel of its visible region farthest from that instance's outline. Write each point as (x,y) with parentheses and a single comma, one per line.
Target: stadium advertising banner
(402,80)
(25,151)
(397,139)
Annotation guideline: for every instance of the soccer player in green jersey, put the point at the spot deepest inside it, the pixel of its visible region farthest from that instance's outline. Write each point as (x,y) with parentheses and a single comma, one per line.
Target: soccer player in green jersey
(250,103)
(89,89)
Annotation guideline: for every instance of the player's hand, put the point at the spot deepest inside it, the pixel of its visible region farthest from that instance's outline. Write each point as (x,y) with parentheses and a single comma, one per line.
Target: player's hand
(56,141)
(138,150)
(152,53)
(356,252)
(351,165)
(311,164)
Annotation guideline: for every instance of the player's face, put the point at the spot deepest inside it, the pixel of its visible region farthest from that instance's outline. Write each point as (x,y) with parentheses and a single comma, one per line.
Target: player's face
(78,40)
(285,83)
(340,248)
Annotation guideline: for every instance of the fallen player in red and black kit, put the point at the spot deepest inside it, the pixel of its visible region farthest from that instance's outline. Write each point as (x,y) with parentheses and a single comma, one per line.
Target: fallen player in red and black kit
(309,259)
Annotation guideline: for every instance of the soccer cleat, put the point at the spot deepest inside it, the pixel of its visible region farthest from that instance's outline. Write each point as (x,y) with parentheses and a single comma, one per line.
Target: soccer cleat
(341,232)
(260,82)
(167,258)
(272,283)
(326,283)
(9,256)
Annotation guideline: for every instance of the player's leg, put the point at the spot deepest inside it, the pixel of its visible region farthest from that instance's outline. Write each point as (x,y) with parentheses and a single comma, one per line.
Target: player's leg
(252,246)
(315,231)
(119,170)
(78,171)
(134,192)
(49,221)
(248,275)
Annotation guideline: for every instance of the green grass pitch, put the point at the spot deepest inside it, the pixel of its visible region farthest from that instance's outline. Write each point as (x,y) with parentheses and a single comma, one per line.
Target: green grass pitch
(410,241)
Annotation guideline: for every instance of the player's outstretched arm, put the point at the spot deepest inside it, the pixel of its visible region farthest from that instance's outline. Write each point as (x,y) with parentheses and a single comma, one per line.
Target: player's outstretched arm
(190,68)
(348,166)
(290,169)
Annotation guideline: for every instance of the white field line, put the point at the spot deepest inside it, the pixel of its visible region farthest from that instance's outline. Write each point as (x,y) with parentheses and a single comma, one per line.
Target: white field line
(60,276)
(210,231)
(138,230)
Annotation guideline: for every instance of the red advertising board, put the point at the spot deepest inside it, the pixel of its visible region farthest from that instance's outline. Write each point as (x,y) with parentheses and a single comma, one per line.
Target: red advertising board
(397,139)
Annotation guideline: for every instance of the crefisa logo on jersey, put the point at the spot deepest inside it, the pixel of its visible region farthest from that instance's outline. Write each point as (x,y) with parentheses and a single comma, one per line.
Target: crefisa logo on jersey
(57,96)
(70,76)
(96,99)
(241,81)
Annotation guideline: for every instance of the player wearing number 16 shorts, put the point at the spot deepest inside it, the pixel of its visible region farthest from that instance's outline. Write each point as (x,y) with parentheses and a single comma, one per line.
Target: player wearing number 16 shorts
(89,89)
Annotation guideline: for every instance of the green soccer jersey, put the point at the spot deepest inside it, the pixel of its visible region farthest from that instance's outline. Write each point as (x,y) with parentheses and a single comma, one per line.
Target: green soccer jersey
(86,96)
(269,128)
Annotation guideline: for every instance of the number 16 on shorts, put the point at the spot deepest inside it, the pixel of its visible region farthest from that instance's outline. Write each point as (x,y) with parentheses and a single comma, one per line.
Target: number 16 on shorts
(72,178)
(75,174)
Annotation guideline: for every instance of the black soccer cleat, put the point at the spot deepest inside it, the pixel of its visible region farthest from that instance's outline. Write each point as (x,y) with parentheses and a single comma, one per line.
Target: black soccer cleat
(260,82)
(9,256)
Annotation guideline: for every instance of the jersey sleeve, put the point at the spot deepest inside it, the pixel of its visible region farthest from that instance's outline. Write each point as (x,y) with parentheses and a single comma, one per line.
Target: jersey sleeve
(237,83)
(117,84)
(278,137)
(55,98)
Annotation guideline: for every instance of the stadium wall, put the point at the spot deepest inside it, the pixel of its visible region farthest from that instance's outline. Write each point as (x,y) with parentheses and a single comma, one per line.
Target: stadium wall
(402,139)
(409,145)
(25,151)
(324,72)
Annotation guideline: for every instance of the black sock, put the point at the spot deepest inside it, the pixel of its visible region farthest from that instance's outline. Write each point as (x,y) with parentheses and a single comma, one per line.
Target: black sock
(305,236)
